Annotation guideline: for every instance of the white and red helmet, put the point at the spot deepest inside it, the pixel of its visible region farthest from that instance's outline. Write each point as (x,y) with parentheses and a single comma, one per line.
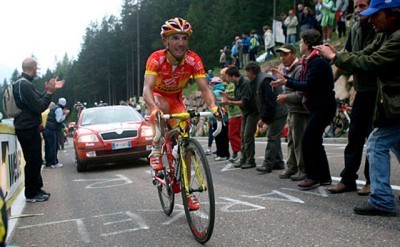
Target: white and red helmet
(176,25)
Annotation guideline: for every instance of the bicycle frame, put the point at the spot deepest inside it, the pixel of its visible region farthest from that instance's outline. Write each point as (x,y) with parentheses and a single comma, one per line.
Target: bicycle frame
(182,134)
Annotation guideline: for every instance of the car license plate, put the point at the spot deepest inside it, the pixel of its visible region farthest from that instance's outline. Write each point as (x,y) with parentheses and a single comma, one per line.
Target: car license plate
(121,145)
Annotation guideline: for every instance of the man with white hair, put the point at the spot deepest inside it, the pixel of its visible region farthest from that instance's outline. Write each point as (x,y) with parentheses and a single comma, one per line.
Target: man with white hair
(55,118)
(32,103)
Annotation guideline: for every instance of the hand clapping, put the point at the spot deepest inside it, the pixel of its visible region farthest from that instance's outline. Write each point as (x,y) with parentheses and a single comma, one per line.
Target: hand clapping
(281,78)
(53,84)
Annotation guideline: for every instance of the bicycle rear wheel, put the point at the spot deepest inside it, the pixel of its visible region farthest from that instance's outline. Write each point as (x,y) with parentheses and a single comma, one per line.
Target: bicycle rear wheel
(165,192)
(336,128)
(201,221)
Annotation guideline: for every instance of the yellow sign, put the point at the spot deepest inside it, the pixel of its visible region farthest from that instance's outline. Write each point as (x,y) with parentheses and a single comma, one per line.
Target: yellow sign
(12,163)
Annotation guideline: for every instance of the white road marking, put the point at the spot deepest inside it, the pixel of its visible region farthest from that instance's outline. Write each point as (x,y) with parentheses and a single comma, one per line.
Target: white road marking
(106,183)
(131,217)
(276,195)
(320,191)
(229,167)
(79,222)
(233,202)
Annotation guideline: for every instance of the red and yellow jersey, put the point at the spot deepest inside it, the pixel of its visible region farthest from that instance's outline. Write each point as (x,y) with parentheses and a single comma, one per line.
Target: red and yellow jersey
(169,80)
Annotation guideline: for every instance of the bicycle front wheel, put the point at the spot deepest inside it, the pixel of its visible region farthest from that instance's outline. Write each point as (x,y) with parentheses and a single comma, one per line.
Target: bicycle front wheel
(164,188)
(199,187)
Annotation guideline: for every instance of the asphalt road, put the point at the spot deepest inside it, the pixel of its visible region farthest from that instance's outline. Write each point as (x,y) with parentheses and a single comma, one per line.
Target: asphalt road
(118,206)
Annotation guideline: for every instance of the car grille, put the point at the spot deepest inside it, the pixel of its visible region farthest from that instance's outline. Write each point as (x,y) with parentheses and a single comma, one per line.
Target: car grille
(107,136)
(120,151)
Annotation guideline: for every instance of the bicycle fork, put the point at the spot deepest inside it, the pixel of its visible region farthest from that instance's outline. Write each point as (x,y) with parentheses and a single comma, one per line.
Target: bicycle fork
(187,175)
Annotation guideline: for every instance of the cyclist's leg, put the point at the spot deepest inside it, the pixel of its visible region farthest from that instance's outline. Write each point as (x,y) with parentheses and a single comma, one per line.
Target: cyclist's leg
(155,155)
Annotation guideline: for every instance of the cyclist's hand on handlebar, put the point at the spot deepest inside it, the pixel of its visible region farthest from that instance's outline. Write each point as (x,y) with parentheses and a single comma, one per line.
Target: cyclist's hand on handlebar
(155,114)
(218,112)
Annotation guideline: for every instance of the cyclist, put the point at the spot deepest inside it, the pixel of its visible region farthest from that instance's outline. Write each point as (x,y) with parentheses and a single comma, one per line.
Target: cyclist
(167,73)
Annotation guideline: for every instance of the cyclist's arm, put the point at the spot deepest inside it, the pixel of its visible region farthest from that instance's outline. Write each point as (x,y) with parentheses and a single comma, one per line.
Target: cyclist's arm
(148,89)
(208,95)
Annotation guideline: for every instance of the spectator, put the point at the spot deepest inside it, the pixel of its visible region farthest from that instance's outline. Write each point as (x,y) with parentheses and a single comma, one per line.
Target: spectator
(235,55)
(269,41)
(245,49)
(52,131)
(210,138)
(270,114)
(222,58)
(328,20)
(341,12)
(221,140)
(27,127)
(260,39)
(300,11)
(209,75)
(210,131)
(318,15)
(234,121)
(316,81)
(308,21)
(284,28)
(361,34)
(41,127)
(228,51)
(239,45)
(297,115)
(291,23)
(244,97)
(253,49)
(381,58)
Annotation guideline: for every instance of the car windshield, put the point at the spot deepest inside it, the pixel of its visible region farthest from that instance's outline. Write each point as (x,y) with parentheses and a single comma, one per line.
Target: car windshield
(106,115)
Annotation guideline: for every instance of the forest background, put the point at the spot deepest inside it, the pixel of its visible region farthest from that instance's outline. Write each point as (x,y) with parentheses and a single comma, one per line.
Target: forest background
(110,66)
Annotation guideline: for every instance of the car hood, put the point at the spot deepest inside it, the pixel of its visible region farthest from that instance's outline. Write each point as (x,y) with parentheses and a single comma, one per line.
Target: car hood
(108,127)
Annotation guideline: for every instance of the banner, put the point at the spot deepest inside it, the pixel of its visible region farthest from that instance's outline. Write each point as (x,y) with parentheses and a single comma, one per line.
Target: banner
(12,162)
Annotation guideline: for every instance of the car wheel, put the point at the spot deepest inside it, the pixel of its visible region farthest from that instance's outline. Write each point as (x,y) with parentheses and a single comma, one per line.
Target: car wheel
(80,165)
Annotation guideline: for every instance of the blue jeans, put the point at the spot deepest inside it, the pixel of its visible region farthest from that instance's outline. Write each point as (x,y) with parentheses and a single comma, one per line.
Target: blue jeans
(291,39)
(379,144)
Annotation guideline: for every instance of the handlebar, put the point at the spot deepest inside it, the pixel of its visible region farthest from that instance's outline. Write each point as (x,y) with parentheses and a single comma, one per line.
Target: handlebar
(184,116)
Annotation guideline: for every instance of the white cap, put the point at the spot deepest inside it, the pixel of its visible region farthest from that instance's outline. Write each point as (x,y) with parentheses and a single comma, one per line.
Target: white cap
(62,101)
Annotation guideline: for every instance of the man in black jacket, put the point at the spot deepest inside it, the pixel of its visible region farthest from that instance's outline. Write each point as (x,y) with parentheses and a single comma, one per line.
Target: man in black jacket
(245,99)
(270,113)
(27,127)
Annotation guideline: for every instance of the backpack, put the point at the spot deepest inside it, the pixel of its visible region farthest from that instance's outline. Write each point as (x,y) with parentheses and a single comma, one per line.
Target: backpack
(9,105)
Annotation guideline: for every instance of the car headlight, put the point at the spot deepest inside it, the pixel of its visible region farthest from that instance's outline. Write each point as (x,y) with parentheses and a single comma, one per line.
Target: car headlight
(88,138)
(147,132)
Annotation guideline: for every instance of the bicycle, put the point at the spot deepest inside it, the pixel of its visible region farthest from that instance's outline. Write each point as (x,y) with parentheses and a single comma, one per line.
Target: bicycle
(341,121)
(186,171)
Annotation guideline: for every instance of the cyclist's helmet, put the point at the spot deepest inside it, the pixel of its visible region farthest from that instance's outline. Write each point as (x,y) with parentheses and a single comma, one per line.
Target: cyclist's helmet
(176,25)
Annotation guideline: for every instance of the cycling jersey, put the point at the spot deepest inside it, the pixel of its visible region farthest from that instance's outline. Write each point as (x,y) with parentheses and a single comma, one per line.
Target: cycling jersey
(172,80)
